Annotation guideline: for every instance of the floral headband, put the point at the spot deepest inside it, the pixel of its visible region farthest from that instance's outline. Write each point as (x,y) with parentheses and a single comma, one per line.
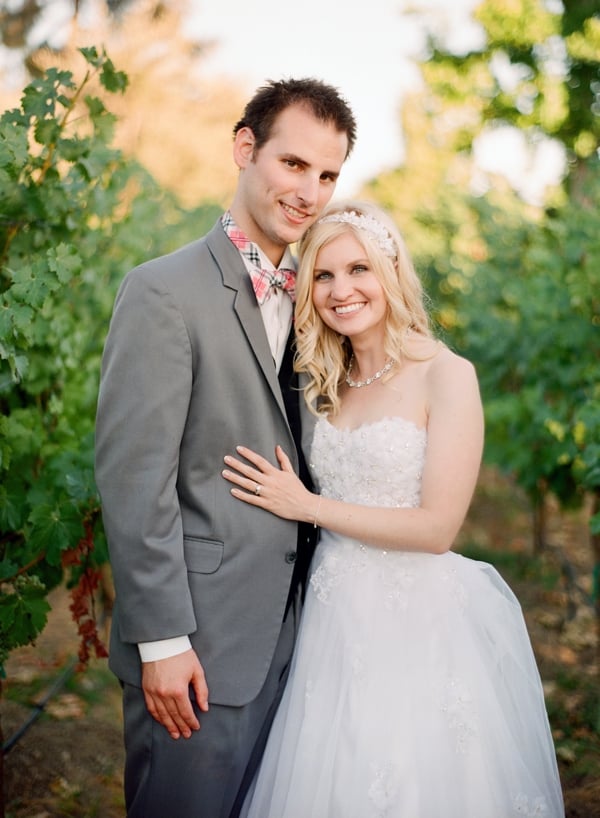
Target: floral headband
(367,223)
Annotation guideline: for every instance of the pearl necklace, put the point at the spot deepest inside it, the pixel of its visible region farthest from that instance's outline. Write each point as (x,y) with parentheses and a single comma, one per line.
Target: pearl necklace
(357,384)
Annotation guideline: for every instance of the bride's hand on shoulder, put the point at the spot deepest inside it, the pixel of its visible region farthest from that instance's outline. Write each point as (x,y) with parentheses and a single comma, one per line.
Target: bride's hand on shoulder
(259,483)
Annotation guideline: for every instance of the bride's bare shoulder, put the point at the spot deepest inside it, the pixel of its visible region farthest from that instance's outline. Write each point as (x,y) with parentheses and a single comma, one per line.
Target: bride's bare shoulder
(450,371)
(419,347)
(438,360)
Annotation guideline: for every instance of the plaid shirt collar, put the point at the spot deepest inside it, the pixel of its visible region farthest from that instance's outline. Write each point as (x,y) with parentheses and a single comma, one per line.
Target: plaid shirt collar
(263,281)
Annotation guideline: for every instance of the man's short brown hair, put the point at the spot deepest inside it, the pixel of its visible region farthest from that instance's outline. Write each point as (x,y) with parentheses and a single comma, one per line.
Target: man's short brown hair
(324,101)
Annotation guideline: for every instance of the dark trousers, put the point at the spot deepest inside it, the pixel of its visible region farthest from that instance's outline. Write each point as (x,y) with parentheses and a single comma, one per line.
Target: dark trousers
(206,775)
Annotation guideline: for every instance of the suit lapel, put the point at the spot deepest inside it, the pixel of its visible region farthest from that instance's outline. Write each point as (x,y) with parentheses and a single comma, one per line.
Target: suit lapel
(236,278)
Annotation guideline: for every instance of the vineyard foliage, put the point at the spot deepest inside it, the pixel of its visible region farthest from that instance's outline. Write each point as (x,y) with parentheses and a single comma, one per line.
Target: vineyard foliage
(74,216)
(525,282)
(531,322)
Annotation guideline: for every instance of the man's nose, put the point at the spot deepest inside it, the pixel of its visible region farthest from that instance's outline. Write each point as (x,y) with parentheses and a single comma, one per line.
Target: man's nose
(308,189)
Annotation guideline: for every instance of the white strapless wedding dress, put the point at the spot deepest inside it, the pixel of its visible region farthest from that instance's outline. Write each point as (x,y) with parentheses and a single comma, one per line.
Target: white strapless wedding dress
(414,692)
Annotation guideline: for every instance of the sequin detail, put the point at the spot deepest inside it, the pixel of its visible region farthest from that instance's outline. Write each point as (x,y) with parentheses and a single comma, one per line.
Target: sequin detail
(383,789)
(457,589)
(456,701)
(376,464)
(537,807)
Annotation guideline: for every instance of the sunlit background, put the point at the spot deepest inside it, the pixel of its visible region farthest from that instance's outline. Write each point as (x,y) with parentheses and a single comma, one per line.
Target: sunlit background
(366,49)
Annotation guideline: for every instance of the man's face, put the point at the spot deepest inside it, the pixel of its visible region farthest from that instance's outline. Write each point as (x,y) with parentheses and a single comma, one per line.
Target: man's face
(284,186)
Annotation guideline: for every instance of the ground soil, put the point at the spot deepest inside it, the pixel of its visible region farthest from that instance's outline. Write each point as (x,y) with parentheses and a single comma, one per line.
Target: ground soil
(69,762)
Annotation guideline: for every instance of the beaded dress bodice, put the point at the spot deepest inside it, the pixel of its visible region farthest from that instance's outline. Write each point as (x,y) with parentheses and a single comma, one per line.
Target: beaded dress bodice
(376,464)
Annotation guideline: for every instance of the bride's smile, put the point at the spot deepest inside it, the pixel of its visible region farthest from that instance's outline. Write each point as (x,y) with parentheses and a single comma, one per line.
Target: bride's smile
(347,294)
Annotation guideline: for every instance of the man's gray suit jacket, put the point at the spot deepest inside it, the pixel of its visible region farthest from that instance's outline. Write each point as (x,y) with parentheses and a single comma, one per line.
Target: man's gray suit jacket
(187,375)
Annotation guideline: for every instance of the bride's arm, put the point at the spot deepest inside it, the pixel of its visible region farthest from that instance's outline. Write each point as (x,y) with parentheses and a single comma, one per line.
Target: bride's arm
(454,447)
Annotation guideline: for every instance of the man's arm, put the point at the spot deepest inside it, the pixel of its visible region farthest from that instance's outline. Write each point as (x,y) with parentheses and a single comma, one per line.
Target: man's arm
(142,408)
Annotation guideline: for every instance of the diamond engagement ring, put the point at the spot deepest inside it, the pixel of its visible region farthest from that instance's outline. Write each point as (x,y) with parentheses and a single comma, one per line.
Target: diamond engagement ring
(257,489)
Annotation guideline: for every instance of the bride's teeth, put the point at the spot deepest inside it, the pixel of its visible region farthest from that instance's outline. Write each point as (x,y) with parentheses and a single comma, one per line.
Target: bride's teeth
(349,308)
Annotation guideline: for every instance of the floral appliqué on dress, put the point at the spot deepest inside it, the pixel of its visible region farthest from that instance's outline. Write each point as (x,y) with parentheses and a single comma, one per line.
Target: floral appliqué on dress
(384,788)
(456,701)
(534,809)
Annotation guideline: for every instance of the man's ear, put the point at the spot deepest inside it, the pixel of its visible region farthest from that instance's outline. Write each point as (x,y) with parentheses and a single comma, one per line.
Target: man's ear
(243,147)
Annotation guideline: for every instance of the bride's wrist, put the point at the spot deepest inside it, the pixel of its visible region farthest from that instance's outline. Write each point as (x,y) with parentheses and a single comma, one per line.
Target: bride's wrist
(317,509)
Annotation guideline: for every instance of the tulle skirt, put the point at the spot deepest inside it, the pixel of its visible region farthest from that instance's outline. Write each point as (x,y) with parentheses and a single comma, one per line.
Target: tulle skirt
(414,693)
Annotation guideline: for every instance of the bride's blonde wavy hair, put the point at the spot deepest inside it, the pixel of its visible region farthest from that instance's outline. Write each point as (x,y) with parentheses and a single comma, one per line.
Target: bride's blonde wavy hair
(324,354)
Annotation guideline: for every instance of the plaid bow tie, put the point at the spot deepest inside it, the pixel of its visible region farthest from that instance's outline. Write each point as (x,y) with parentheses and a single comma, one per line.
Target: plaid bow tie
(264,281)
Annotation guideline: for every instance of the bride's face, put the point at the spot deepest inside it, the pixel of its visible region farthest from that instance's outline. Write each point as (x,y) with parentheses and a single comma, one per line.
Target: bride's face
(346,292)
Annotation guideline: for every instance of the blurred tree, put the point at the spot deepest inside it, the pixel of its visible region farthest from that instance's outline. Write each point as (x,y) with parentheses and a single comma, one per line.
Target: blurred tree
(538,71)
(16,21)
(531,324)
(428,198)
(19,19)
(172,120)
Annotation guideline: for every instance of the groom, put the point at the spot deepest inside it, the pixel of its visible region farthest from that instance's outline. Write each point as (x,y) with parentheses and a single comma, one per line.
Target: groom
(198,359)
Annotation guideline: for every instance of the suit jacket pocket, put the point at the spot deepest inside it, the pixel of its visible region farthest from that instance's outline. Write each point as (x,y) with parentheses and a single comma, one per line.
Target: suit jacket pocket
(202,556)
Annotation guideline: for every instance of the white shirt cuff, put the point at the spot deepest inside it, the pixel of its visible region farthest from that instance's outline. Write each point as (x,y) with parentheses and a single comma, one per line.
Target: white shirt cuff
(163,648)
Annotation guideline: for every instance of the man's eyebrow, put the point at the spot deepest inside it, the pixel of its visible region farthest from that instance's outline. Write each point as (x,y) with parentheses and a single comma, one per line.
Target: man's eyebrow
(294,158)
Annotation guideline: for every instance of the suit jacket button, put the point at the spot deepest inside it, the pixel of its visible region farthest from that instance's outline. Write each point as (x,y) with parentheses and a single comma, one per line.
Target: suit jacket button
(290,556)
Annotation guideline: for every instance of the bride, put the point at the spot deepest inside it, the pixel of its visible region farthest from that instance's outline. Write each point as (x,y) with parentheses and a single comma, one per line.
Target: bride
(413,692)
